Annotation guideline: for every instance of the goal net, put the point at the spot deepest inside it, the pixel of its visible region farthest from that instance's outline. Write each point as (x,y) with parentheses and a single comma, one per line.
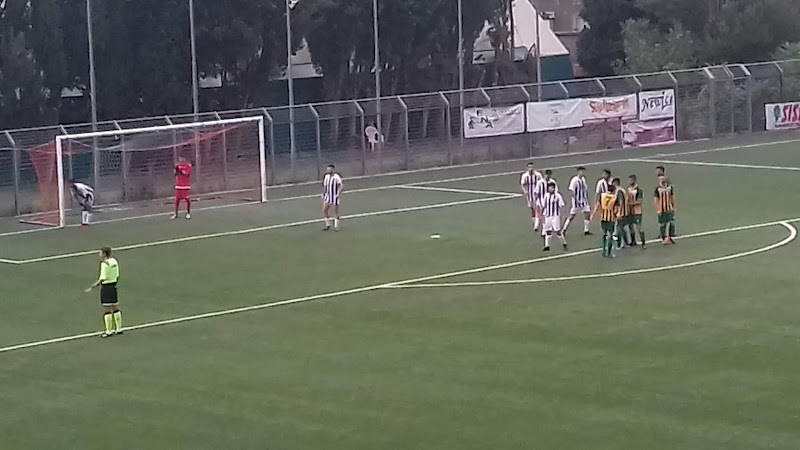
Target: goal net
(137,165)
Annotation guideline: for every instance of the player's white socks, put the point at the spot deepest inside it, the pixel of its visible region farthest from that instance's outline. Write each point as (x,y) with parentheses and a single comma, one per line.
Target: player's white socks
(536,222)
(327,221)
(336,223)
(562,238)
(566,223)
(547,240)
(86,218)
(586,224)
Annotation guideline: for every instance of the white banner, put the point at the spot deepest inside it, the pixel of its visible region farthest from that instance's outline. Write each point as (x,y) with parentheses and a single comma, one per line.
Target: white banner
(782,116)
(610,108)
(648,133)
(485,122)
(555,115)
(657,104)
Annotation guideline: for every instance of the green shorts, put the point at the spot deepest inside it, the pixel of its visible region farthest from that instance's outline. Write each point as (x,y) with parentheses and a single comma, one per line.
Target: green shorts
(635,219)
(665,218)
(624,221)
(608,227)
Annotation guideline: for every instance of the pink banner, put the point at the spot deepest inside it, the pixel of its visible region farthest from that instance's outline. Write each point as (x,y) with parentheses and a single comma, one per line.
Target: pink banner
(648,133)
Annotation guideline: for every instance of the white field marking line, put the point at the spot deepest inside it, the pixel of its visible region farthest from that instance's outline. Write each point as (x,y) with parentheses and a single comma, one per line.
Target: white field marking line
(456,190)
(9,261)
(433,169)
(787,240)
(407,283)
(269,227)
(342,293)
(713,164)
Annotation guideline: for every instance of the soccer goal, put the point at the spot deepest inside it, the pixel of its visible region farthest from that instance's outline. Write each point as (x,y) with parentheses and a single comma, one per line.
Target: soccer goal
(137,165)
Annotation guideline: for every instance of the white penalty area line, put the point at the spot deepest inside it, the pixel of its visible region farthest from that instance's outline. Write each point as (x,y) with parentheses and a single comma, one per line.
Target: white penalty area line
(440,181)
(787,240)
(713,164)
(265,228)
(396,285)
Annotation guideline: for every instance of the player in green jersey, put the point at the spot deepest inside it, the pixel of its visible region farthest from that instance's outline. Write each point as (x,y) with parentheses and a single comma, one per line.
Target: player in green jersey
(634,196)
(664,201)
(623,213)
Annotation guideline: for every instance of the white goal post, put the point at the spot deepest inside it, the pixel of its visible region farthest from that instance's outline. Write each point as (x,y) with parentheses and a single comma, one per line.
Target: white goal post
(137,165)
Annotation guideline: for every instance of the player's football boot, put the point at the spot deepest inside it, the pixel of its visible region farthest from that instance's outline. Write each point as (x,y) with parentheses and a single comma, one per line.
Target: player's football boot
(174,216)
(546,249)
(188,216)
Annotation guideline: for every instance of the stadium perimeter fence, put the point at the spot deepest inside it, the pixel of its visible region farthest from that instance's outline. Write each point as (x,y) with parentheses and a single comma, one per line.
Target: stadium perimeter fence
(425,130)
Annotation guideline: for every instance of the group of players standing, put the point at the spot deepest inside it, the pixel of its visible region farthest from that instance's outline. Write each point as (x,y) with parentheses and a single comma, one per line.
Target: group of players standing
(620,208)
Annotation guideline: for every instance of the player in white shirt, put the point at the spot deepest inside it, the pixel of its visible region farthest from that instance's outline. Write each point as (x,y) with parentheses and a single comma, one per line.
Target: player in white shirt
(548,178)
(602,188)
(332,184)
(552,202)
(529,180)
(580,201)
(84,194)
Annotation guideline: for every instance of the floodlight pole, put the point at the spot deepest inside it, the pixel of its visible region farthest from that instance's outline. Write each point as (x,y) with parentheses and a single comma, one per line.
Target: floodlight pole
(378,124)
(93,93)
(538,55)
(461,73)
(290,81)
(195,87)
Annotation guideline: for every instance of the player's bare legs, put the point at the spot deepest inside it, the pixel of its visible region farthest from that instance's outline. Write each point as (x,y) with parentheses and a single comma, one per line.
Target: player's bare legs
(335,217)
(326,207)
(188,208)
(586,223)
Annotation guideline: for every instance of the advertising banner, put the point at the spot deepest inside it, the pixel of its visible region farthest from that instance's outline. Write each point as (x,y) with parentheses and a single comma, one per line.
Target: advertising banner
(648,133)
(657,104)
(783,116)
(485,122)
(555,115)
(610,108)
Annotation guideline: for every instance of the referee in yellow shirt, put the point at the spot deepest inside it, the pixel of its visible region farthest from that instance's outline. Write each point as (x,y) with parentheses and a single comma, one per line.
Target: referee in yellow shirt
(109,275)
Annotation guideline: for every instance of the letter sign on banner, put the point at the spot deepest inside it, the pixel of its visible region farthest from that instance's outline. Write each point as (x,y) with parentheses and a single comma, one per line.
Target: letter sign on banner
(783,116)
(485,122)
(657,104)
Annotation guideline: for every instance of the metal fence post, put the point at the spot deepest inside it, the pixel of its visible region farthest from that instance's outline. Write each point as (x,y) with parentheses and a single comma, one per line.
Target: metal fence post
(271,143)
(749,105)
(731,84)
(712,101)
(361,137)
(405,131)
(447,126)
(525,118)
(224,154)
(675,84)
(15,168)
(319,144)
(605,121)
(782,74)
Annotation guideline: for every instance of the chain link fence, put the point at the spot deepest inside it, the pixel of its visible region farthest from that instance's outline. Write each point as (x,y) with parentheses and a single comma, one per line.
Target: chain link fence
(425,130)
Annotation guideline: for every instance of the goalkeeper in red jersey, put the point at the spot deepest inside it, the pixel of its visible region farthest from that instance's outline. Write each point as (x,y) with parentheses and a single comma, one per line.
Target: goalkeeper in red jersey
(183,186)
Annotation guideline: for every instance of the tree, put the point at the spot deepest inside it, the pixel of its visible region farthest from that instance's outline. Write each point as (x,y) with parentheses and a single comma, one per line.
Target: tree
(648,49)
(600,45)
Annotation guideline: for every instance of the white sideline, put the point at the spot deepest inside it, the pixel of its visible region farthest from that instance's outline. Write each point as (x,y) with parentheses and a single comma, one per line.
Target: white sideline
(713,164)
(456,190)
(785,241)
(433,169)
(267,227)
(374,287)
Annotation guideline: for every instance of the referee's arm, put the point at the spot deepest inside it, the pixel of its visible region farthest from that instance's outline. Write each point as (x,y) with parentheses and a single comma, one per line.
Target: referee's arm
(99,280)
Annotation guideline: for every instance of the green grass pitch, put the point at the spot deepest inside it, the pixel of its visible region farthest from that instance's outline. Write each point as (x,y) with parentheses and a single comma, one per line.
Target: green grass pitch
(250,328)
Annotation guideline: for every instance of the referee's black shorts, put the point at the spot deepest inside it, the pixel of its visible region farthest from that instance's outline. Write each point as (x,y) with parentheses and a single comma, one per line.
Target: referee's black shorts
(108,294)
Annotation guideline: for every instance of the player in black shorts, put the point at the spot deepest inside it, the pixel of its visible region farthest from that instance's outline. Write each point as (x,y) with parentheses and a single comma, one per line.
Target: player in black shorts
(109,276)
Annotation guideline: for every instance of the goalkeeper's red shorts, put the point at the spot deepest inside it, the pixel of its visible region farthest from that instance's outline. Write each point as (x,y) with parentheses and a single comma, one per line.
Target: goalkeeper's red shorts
(182,194)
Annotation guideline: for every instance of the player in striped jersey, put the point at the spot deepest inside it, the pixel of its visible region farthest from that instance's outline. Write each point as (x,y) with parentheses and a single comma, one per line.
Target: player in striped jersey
(84,194)
(529,180)
(332,184)
(551,204)
(608,219)
(602,187)
(623,215)
(664,200)
(634,199)
(580,200)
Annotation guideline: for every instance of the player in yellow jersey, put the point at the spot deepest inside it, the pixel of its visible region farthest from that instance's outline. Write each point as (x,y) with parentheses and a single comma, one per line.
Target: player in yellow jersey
(633,197)
(608,219)
(664,200)
(623,214)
